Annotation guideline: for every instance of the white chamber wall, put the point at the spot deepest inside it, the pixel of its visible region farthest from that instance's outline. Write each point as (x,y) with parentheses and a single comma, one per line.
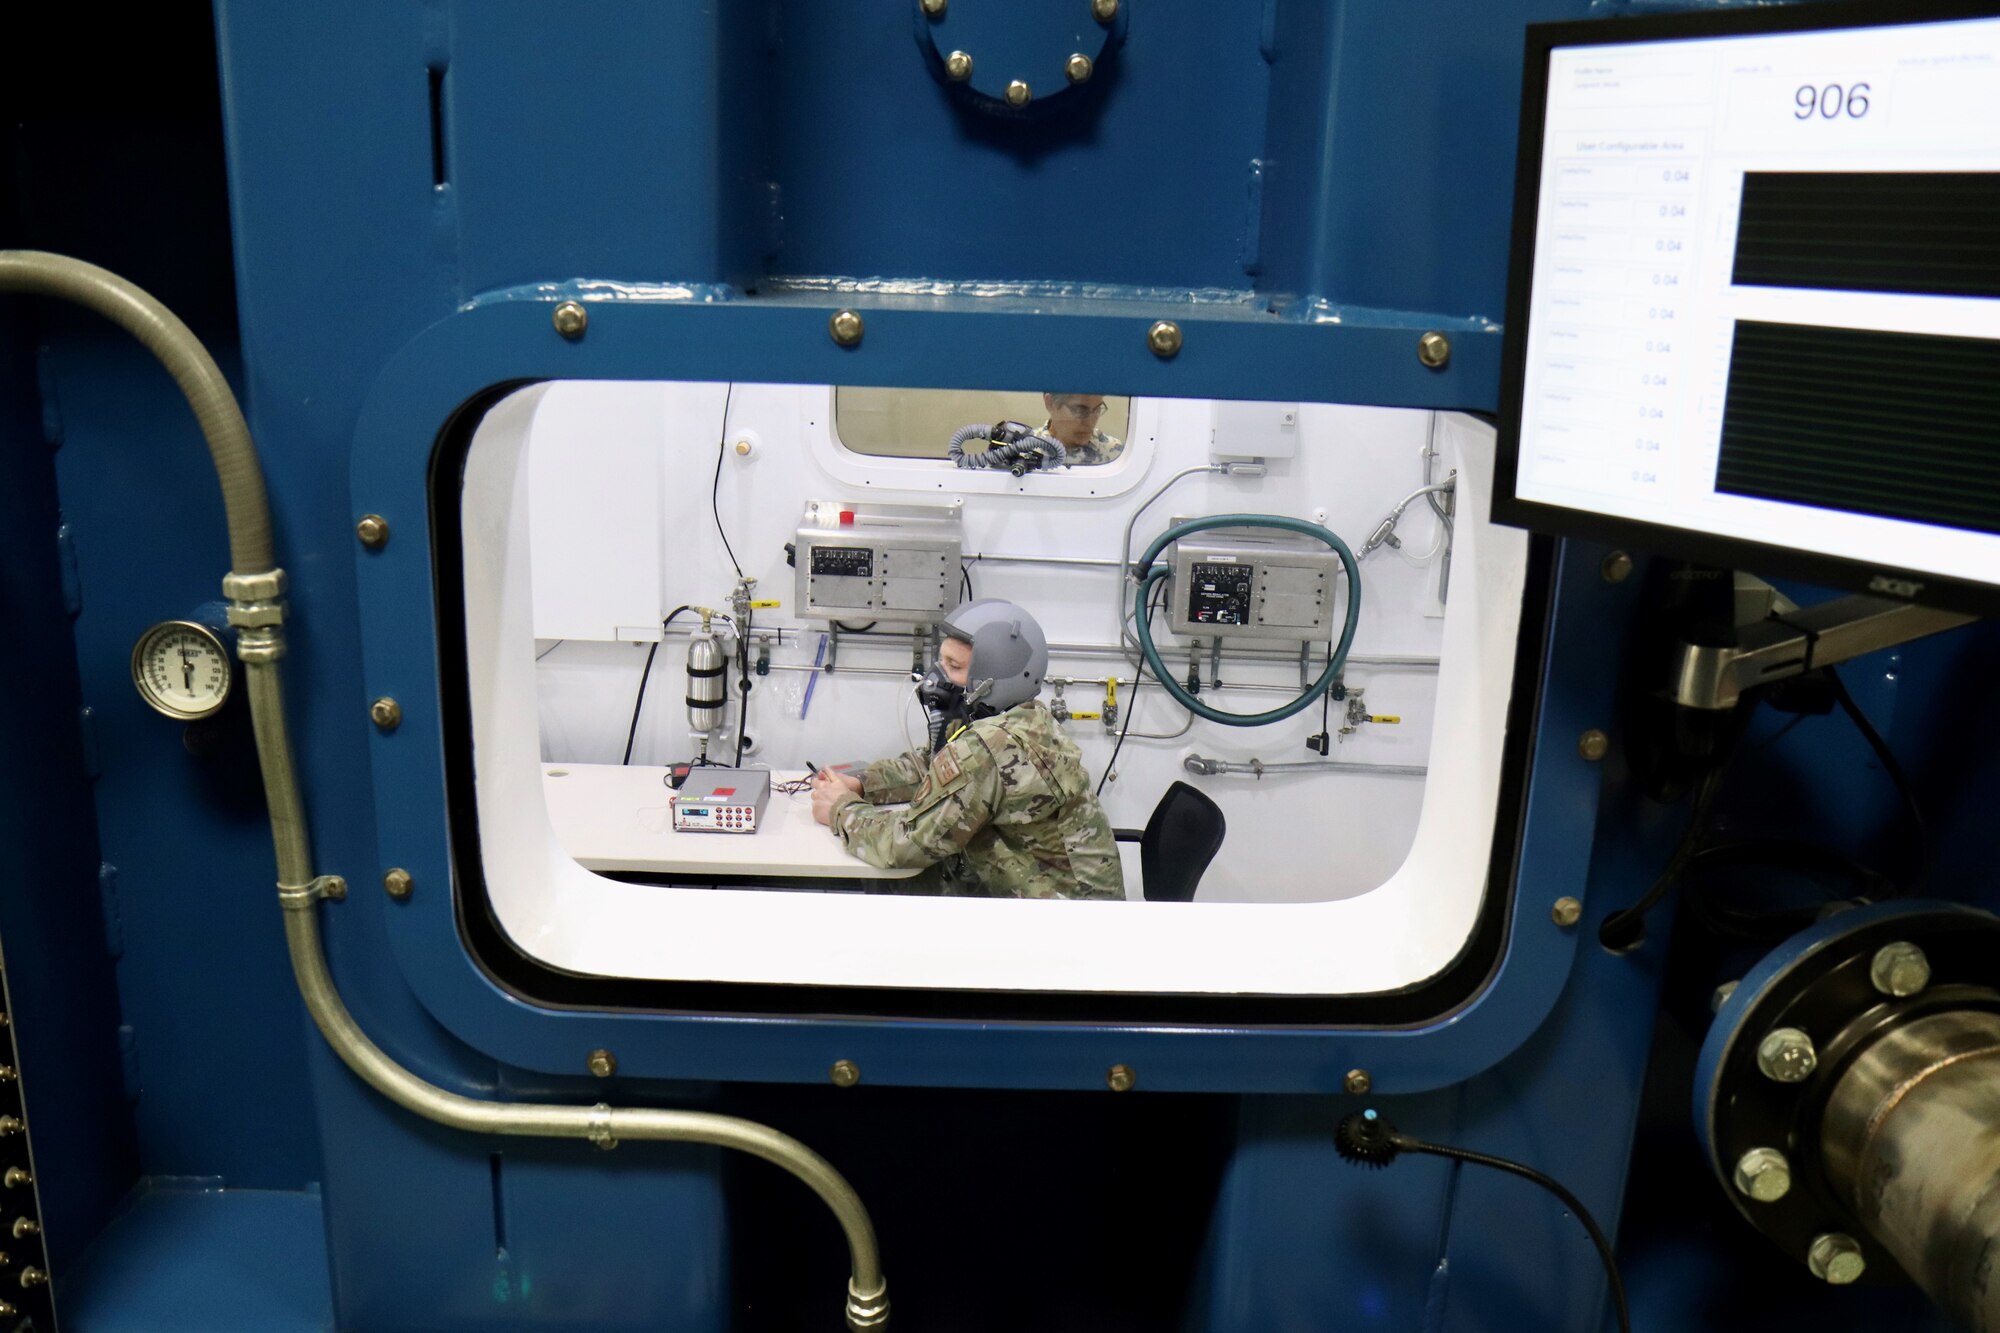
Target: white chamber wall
(624,530)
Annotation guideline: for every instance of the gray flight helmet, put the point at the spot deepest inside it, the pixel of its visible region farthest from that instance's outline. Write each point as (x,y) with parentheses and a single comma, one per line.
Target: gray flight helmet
(1008,649)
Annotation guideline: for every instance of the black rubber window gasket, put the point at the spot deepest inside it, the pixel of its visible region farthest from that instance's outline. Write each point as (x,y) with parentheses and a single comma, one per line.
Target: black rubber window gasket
(537,983)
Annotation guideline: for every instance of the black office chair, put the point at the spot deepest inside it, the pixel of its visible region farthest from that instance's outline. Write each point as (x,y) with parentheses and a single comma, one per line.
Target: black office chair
(1179,841)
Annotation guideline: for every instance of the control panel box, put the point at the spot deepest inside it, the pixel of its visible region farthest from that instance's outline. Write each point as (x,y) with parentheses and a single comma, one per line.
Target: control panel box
(894,563)
(1252,583)
(722,800)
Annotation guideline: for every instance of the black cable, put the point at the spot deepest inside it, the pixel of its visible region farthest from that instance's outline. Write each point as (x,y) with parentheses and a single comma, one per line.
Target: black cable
(1919,829)
(1722,918)
(1407,1144)
(715,486)
(854,629)
(1131,698)
(1365,1138)
(640,702)
(551,648)
(965,578)
(1626,927)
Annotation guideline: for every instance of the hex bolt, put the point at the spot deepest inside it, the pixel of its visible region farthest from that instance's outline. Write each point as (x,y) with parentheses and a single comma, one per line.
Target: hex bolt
(570,319)
(1165,339)
(1763,1174)
(1835,1258)
(601,1063)
(1019,93)
(1566,912)
(959,66)
(386,713)
(1593,745)
(1786,1055)
(1104,10)
(9,1126)
(35,1277)
(934,8)
(845,1073)
(1121,1078)
(25,1227)
(1616,567)
(1900,970)
(845,326)
(1721,996)
(396,882)
(373,530)
(7,1311)
(16,1177)
(1078,67)
(6,1073)
(1357,1083)
(1434,349)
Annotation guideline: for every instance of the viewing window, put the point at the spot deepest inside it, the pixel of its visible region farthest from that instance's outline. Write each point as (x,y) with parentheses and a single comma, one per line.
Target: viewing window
(920,423)
(636,554)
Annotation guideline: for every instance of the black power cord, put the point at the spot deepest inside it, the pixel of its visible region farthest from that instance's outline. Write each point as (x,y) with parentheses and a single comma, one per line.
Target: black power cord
(715,486)
(632,732)
(1625,928)
(1366,1139)
(1919,829)
(965,578)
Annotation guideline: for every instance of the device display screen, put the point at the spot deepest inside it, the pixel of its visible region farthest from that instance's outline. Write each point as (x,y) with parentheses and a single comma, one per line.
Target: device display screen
(1765,293)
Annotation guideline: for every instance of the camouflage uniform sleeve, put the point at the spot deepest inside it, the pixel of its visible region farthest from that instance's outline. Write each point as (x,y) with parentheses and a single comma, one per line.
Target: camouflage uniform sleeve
(890,781)
(960,793)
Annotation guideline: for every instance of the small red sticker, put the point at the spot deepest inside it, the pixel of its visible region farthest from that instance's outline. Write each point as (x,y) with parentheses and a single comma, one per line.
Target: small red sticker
(723,791)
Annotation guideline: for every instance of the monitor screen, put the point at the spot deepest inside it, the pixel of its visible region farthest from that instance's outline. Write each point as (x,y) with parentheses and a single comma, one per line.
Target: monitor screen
(1754,302)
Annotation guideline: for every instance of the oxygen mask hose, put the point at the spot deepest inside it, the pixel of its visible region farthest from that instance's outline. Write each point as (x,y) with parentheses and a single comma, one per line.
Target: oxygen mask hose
(1150,575)
(256,588)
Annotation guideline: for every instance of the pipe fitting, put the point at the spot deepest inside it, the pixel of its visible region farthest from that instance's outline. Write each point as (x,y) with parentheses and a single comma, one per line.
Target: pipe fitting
(255,615)
(867,1309)
(267,586)
(261,644)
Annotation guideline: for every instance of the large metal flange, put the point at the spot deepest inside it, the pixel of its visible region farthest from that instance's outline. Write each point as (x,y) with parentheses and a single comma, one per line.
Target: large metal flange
(1819,985)
(1020,62)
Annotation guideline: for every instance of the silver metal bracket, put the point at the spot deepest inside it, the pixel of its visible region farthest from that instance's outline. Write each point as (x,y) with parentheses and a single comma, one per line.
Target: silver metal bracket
(295,897)
(1791,644)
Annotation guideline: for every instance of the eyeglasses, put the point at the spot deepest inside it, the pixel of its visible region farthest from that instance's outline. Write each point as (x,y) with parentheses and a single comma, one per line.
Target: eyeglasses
(1082,413)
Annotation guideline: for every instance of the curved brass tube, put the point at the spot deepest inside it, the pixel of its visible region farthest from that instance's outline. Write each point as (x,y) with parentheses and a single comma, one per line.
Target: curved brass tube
(257,610)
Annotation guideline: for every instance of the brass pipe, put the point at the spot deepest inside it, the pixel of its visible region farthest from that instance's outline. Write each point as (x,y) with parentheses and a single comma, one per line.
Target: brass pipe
(257,611)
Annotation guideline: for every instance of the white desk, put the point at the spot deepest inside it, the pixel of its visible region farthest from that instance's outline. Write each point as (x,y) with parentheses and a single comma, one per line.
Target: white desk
(615,817)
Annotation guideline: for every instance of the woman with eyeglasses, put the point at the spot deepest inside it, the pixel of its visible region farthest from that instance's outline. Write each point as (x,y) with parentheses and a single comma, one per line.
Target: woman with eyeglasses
(1072,423)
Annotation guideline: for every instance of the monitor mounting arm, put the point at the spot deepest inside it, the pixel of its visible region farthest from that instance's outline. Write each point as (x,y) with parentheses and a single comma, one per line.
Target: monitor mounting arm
(1714,677)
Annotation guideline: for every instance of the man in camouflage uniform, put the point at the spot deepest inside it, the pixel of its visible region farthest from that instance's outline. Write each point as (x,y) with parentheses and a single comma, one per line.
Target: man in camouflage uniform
(1004,808)
(1072,424)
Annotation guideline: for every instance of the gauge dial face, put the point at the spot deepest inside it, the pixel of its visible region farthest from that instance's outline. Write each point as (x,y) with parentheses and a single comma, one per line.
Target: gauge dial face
(182,669)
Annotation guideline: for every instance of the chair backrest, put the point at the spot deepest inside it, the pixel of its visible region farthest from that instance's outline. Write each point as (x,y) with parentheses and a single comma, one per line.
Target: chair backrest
(1181,838)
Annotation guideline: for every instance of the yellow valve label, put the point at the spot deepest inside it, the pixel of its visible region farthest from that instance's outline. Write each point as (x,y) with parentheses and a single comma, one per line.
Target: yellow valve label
(1085,717)
(771,605)
(1111,693)
(1385,717)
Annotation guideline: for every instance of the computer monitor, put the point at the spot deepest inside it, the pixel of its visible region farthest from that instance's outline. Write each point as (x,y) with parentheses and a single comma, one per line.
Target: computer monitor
(1753,311)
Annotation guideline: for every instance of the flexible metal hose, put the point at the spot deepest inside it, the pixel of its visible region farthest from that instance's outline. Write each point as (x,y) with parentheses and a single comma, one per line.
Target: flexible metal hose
(38,273)
(257,611)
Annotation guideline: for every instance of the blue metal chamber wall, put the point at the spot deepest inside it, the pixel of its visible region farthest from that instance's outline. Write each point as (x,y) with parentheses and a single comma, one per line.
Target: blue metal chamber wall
(1250,170)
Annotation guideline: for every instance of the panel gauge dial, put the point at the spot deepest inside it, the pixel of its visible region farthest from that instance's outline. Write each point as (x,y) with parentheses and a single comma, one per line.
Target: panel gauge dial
(182,669)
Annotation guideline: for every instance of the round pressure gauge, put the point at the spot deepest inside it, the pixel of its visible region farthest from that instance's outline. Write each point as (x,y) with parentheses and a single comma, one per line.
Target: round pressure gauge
(182,669)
